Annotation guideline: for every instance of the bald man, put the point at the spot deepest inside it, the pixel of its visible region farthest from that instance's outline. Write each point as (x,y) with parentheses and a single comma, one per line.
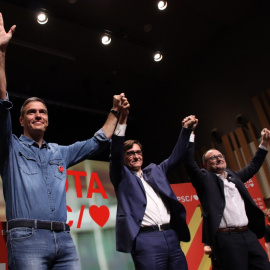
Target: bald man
(232,222)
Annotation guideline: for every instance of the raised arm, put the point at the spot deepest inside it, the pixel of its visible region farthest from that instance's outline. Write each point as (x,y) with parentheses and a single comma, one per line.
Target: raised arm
(181,147)
(117,154)
(256,162)
(124,111)
(112,119)
(4,40)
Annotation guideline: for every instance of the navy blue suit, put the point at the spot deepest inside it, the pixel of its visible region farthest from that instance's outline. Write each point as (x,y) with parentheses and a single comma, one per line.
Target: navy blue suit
(131,194)
(210,189)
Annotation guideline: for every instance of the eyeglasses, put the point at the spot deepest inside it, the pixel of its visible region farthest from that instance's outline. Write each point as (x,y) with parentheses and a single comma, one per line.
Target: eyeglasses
(212,158)
(133,153)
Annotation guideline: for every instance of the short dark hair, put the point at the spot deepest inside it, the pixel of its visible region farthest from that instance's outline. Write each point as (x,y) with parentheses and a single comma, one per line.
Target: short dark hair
(129,144)
(31,99)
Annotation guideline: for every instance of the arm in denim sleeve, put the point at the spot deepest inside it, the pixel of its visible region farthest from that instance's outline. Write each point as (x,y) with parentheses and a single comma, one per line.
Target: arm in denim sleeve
(87,149)
(5,105)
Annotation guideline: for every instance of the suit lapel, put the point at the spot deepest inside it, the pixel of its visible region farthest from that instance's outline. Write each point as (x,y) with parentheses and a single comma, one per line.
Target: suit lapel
(139,181)
(157,182)
(230,178)
(147,177)
(240,186)
(220,185)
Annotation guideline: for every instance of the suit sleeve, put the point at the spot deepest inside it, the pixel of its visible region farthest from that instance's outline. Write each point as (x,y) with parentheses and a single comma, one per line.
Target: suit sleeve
(254,165)
(116,159)
(197,176)
(178,152)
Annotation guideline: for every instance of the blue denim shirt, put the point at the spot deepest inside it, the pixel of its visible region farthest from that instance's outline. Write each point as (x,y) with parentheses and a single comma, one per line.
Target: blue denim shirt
(34,178)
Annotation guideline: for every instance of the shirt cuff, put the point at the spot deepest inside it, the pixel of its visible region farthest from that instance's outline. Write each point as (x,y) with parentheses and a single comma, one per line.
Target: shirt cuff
(120,130)
(6,103)
(192,137)
(263,147)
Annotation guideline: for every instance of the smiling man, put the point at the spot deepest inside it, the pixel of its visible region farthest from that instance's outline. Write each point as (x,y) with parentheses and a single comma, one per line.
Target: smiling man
(34,176)
(34,119)
(150,221)
(232,222)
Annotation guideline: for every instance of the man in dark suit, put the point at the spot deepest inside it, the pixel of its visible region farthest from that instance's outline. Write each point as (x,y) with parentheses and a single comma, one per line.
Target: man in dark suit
(232,222)
(150,221)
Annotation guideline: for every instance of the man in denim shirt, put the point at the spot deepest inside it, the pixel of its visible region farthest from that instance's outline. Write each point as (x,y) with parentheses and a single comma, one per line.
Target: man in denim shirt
(34,175)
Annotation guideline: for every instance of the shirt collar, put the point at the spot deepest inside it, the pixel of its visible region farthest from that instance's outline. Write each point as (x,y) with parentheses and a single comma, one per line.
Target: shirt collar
(29,142)
(139,174)
(219,175)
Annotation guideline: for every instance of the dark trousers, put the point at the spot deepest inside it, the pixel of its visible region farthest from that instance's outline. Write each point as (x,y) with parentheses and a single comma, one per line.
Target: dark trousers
(240,251)
(158,251)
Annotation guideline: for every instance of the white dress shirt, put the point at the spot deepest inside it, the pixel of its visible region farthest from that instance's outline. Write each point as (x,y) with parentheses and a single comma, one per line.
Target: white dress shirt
(156,212)
(234,214)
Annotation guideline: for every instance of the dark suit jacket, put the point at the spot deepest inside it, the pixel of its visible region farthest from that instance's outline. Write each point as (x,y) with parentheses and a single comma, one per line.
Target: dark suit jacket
(131,194)
(210,189)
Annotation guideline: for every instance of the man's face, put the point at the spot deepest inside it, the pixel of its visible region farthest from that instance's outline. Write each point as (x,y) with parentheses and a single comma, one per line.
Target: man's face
(35,119)
(133,158)
(215,162)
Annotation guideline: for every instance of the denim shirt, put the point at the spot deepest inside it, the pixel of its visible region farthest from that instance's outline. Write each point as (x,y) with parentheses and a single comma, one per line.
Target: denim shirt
(34,178)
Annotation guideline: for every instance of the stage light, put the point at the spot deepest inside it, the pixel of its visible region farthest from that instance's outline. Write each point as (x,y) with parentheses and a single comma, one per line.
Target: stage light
(106,39)
(42,18)
(158,56)
(162,5)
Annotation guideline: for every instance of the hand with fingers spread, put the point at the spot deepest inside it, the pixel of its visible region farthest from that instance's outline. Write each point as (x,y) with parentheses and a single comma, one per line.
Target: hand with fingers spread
(5,37)
(4,40)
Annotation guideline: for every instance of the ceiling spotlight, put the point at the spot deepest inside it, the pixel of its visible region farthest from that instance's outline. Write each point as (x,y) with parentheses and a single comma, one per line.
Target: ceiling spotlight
(162,5)
(42,18)
(158,56)
(106,39)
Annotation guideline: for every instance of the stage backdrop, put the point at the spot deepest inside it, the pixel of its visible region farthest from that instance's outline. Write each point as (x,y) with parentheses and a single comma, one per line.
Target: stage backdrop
(91,206)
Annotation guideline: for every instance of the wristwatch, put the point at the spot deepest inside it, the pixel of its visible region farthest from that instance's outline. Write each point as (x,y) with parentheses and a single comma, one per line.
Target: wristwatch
(116,113)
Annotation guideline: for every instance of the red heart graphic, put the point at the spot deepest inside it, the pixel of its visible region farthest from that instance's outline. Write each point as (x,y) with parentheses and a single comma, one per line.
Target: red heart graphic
(99,214)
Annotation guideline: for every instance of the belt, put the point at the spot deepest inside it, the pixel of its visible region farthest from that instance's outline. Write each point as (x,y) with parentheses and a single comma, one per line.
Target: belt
(233,229)
(153,228)
(38,224)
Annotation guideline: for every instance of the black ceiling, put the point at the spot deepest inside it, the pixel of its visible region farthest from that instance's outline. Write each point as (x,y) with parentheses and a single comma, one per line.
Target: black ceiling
(216,57)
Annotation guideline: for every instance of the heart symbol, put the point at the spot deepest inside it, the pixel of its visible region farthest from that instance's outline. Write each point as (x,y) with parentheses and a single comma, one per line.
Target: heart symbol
(99,214)
(195,197)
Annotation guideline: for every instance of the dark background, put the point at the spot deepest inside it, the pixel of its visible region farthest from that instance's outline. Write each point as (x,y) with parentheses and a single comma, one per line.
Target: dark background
(216,57)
